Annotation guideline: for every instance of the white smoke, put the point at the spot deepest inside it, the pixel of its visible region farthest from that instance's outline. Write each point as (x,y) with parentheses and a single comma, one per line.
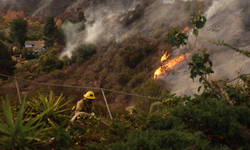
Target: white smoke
(73,37)
(223,23)
(171,1)
(101,25)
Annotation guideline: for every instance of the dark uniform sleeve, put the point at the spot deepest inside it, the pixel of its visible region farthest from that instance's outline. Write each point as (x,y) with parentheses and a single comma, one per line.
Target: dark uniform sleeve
(87,106)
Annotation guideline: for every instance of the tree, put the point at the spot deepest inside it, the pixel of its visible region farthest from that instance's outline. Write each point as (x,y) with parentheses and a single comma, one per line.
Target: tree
(81,18)
(7,66)
(50,61)
(11,15)
(18,31)
(49,32)
(83,52)
(60,37)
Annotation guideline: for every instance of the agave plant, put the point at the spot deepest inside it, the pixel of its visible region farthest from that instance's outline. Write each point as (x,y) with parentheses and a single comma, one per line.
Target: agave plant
(18,133)
(53,104)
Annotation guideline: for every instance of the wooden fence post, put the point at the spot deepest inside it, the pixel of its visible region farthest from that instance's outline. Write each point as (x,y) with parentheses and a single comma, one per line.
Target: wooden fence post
(18,92)
(107,104)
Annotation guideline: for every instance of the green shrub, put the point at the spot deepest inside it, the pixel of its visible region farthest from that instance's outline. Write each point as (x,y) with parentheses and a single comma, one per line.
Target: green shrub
(172,139)
(24,132)
(83,52)
(7,66)
(220,123)
(50,61)
(151,89)
(122,79)
(136,49)
(28,54)
(52,103)
(30,66)
(138,79)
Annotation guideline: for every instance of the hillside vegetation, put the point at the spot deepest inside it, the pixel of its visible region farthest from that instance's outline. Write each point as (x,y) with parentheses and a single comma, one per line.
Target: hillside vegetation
(145,114)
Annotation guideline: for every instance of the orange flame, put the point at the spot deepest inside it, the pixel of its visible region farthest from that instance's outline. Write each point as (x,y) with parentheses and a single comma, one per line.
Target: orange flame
(165,57)
(185,30)
(171,63)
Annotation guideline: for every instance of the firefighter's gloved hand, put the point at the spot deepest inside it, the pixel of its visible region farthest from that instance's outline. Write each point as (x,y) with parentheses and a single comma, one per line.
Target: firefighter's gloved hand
(92,114)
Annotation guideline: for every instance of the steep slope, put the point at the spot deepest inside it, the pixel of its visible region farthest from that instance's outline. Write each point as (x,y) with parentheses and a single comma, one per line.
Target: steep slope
(36,7)
(107,22)
(43,8)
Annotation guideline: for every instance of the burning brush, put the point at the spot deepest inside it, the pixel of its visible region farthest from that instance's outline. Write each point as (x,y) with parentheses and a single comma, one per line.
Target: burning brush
(169,64)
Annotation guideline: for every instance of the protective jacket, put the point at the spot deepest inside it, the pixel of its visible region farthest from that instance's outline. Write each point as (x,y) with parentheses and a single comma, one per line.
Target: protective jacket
(84,105)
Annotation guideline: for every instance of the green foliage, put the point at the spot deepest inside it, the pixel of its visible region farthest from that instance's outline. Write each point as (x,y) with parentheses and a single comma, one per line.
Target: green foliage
(151,89)
(21,133)
(2,35)
(176,38)
(201,65)
(117,131)
(83,52)
(172,100)
(198,22)
(5,37)
(62,139)
(30,66)
(239,94)
(222,43)
(29,54)
(52,103)
(138,79)
(81,17)
(49,32)
(172,139)
(7,66)
(36,35)
(60,37)
(69,20)
(134,53)
(122,79)
(18,31)
(85,130)
(50,61)
(218,122)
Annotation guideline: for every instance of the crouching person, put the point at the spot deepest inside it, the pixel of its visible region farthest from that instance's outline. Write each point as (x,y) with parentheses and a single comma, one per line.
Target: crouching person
(85,104)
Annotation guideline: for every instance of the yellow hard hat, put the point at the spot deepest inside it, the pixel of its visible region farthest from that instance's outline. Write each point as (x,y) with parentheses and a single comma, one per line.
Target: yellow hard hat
(89,95)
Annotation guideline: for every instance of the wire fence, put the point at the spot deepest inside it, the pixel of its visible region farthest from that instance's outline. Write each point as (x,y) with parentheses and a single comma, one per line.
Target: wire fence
(102,90)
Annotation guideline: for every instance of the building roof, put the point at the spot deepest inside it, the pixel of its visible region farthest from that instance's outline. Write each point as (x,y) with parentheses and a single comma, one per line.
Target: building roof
(37,44)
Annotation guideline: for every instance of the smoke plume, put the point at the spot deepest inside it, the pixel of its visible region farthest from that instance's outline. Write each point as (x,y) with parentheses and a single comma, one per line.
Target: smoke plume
(227,20)
(101,25)
(224,22)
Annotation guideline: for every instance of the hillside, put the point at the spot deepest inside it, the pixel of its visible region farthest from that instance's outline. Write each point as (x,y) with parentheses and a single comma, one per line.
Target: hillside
(43,8)
(166,74)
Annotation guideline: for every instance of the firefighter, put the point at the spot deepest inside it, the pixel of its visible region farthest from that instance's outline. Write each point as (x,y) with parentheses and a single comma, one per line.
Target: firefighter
(85,104)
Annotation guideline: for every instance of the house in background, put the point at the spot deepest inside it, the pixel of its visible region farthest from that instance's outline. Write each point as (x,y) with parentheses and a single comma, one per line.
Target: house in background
(36,46)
